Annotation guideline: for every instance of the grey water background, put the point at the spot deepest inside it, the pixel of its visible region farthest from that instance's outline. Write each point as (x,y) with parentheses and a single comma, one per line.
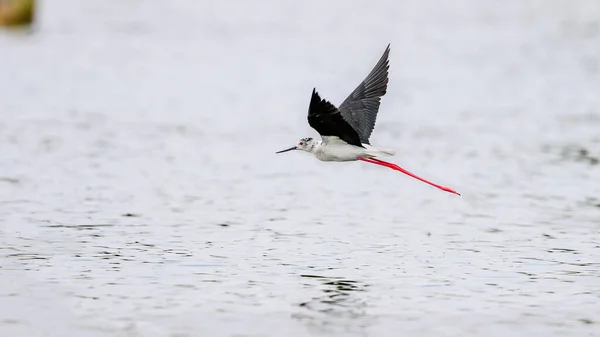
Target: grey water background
(140,194)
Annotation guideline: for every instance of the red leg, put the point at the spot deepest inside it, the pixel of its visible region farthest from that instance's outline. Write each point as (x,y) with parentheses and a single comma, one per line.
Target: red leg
(398,168)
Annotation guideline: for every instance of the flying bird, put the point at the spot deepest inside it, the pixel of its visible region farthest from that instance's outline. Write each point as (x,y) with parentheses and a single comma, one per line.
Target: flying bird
(345,131)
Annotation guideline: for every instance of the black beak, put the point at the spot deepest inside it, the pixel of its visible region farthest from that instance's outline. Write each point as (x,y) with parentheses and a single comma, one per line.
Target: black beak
(286,150)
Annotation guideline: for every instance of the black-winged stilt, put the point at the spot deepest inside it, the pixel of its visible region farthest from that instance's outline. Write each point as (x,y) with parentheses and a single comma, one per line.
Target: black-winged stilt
(345,131)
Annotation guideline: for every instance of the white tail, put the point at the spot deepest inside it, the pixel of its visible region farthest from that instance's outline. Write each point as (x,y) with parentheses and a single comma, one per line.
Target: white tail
(374,151)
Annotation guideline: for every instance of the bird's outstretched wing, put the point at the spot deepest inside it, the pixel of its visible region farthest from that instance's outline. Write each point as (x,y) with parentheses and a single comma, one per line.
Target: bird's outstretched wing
(328,121)
(361,107)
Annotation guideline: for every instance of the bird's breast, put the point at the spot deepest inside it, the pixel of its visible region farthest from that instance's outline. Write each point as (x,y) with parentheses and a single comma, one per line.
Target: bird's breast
(336,152)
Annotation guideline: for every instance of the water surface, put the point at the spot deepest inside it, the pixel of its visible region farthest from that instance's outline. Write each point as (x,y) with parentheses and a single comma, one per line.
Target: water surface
(140,194)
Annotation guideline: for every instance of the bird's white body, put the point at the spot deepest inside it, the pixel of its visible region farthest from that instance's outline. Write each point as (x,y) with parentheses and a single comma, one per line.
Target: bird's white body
(335,149)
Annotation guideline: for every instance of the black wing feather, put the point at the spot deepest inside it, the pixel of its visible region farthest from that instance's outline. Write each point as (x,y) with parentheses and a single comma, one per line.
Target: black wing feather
(361,107)
(328,121)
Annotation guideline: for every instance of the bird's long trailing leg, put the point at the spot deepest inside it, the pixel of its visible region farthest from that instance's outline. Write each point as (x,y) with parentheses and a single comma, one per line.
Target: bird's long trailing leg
(398,168)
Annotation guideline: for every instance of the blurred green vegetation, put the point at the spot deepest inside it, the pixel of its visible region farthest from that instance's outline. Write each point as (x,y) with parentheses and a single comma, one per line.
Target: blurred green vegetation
(16,12)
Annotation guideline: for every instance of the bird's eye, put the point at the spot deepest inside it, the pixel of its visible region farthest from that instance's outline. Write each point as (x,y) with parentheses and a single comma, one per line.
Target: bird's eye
(301,143)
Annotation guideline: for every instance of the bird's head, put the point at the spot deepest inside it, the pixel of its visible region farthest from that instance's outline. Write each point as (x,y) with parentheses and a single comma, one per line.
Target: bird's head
(304,144)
